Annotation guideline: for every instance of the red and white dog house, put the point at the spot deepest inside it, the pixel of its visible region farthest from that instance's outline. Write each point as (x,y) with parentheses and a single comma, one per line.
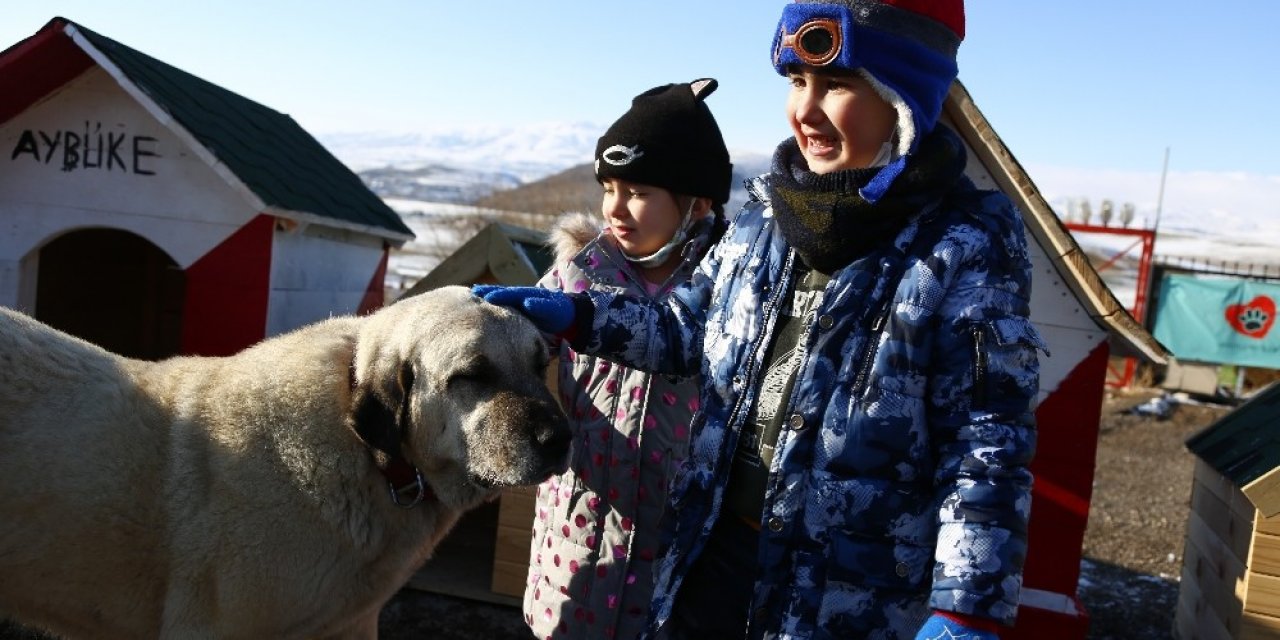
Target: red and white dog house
(1084,325)
(156,213)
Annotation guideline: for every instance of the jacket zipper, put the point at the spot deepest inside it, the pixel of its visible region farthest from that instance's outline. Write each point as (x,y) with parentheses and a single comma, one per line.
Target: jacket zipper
(769,305)
(873,347)
(979,366)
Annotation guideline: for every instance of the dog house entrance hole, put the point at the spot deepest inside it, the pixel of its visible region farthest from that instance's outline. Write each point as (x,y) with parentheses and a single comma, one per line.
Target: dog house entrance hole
(114,289)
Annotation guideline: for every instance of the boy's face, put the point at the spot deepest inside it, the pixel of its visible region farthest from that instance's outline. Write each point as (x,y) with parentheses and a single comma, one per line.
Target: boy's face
(837,118)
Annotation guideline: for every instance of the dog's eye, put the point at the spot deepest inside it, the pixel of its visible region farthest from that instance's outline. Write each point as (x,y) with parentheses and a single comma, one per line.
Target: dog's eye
(472,372)
(465,375)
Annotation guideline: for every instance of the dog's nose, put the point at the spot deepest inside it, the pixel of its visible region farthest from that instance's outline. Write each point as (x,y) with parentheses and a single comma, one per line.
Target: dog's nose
(553,434)
(552,431)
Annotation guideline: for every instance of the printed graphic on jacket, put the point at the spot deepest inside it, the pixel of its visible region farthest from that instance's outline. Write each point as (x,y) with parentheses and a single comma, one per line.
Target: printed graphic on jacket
(755,450)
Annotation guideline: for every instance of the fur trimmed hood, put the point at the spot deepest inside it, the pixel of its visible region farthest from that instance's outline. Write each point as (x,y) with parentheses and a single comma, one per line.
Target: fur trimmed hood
(571,232)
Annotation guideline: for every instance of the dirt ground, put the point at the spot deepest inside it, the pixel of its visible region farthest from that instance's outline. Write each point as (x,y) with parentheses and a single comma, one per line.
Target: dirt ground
(1132,548)
(1137,519)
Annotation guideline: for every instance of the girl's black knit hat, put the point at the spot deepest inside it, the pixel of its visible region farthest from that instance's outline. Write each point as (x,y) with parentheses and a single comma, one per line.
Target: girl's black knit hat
(669,139)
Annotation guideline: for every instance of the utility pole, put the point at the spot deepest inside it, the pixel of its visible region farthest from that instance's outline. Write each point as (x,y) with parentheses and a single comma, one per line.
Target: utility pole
(1160,199)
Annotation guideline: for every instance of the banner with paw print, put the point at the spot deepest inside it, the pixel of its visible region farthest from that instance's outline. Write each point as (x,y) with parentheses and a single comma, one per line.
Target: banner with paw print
(1219,319)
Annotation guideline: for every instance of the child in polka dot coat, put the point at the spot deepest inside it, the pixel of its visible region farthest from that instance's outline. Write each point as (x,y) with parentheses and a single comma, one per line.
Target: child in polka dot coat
(665,175)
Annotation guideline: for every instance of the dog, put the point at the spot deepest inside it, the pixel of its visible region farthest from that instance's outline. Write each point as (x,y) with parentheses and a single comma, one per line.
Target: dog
(286,491)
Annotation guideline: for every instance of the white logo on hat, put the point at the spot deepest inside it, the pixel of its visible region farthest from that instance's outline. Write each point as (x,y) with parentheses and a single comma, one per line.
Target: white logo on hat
(621,156)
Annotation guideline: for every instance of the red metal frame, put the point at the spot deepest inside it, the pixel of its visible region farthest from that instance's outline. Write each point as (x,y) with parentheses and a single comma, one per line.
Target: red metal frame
(1146,238)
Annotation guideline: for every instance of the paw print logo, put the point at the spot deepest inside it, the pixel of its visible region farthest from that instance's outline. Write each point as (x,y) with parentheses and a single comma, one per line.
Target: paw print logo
(1253,319)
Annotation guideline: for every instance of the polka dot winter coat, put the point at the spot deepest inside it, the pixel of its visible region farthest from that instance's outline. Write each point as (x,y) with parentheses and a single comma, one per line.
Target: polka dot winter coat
(595,526)
(900,481)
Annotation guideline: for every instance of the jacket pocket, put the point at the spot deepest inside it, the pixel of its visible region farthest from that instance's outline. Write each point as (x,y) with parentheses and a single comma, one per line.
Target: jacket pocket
(1004,360)
(877,562)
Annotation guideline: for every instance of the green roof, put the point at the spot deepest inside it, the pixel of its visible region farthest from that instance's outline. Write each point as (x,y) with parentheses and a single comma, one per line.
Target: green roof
(267,150)
(1243,445)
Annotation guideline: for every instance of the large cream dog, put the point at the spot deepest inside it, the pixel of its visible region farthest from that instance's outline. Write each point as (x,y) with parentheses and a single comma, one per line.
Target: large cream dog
(249,496)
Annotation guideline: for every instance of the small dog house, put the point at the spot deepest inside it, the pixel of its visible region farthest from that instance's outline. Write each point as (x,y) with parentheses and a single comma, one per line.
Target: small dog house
(155,213)
(1083,324)
(1230,588)
(500,253)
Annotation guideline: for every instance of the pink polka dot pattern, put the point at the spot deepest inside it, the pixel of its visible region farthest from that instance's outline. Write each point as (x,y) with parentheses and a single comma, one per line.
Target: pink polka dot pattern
(595,527)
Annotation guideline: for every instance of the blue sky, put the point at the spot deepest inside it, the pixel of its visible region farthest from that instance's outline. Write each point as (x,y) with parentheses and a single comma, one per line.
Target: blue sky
(1090,84)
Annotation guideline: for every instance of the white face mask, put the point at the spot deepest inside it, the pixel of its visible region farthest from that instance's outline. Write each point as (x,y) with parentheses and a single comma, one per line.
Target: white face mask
(889,150)
(884,157)
(659,257)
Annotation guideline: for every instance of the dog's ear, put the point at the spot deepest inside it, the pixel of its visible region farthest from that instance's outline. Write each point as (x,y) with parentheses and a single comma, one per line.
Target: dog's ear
(380,412)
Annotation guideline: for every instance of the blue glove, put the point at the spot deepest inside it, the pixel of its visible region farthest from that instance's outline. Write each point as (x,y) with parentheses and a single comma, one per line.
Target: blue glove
(551,311)
(950,627)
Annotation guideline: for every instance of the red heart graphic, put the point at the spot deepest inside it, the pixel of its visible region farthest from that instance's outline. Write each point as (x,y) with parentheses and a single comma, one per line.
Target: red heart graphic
(1253,319)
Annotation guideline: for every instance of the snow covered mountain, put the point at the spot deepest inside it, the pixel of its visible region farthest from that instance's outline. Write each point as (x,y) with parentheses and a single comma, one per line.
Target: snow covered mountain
(527,152)
(432,176)
(462,165)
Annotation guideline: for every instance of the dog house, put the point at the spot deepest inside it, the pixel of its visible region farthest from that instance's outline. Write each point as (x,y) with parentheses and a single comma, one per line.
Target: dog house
(1230,587)
(155,213)
(500,253)
(1084,325)
(1080,319)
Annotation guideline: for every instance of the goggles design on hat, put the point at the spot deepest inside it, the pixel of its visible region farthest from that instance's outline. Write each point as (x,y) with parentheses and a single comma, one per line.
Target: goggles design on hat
(816,35)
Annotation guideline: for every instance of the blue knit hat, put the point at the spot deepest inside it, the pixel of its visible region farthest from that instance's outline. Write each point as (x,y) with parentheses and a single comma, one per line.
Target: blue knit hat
(906,49)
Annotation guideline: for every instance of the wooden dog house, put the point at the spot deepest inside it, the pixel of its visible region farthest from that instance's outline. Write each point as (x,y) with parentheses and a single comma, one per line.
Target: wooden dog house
(155,213)
(1230,588)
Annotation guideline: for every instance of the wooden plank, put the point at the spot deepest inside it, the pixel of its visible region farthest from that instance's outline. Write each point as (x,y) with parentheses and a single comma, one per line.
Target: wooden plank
(1229,526)
(462,565)
(516,506)
(1215,482)
(1264,492)
(511,543)
(1263,595)
(1270,526)
(509,577)
(1256,626)
(1191,621)
(1265,558)
(1215,575)
(1226,491)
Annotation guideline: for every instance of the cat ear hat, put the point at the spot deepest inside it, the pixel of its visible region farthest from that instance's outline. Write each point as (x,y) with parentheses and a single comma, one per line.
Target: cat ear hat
(669,139)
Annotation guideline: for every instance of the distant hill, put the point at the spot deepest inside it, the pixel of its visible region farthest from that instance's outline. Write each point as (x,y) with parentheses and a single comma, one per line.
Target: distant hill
(574,189)
(437,183)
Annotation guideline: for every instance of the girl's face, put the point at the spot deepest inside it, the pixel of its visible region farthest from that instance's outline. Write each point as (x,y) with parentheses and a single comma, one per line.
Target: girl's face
(838,118)
(642,218)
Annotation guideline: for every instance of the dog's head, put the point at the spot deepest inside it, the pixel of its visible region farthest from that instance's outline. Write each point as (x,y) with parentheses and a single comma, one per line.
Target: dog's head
(457,387)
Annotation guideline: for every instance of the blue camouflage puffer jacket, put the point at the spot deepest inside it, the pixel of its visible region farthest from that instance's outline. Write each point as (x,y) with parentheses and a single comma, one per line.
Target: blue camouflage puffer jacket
(900,483)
